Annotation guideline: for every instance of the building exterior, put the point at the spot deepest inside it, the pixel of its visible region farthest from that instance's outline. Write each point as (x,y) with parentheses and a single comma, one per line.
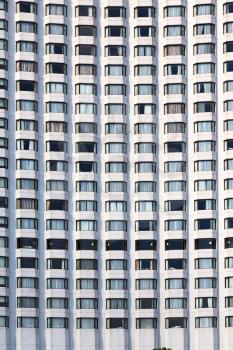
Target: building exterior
(116,174)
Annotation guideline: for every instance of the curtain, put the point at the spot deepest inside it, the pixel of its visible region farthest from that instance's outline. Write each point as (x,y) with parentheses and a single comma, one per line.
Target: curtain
(27,302)
(175,186)
(202,10)
(115,70)
(57,10)
(86,205)
(145,186)
(175,30)
(146,206)
(228,27)
(204,29)
(26,27)
(145,284)
(86,323)
(145,50)
(56,87)
(116,225)
(86,108)
(56,185)
(145,323)
(207,126)
(56,29)
(204,146)
(86,186)
(204,68)
(147,147)
(114,89)
(27,224)
(205,263)
(116,206)
(57,303)
(205,165)
(175,166)
(115,109)
(205,283)
(174,11)
(86,89)
(87,303)
(27,164)
(27,46)
(175,283)
(26,105)
(116,264)
(56,322)
(175,225)
(116,284)
(175,89)
(3,261)
(28,322)
(56,224)
(144,89)
(114,147)
(206,322)
(177,303)
(86,225)
(145,70)
(4,321)
(86,284)
(116,186)
(145,167)
(56,283)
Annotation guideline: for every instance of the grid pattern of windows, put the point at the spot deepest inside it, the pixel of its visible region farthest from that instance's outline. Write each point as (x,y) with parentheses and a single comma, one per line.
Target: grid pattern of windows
(116,174)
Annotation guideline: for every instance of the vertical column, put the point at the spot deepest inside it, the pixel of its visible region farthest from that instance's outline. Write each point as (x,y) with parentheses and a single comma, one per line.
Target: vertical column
(10,338)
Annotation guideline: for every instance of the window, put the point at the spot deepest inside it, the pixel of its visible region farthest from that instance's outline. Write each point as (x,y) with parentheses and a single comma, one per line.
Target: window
(87,323)
(115,50)
(86,303)
(114,303)
(146,323)
(56,165)
(113,245)
(57,283)
(144,244)
(27,282)
(22,46)
(27,322)
(26,66)
(175,244)
(86,166)
(116,284)
(116,225)
(176,322)
(145,167)
(204,29)
(56,49)
(205,283)
(116,323)
(57,224)
(205,302)
(144,284)
(174,69)
(175,303)
(228,301)
(205,165)
(205,263)
(203,10)
(27,263)
(145,206)
(147,70)
(26,7)
(26,27)
(228,66)
(201,49)
(144,89)
(86,283)
(228,7)
(115,11)
(115,128)
(116,264)
(57,264)
(27,243)
(86,244)
(174,50)
(85,11)
(86,264)
(115,70)
(175,225)
(144,31)
(145,264)
(57,244)
(174,11)
(175,205)
(86,225)
(175,30)
(57,303)
(115,31)
(142,50)
(57,322)
(206,322)
(144,11)
(175,264)
(174,89)
(205,243)
(27,223)
(56,204)
(146,303)
(85,30)
(56,10)
(174,186)
(174,108)
(56,88)
(85,50)
(204,68)
(27,125)
(205,224)
(115,206)
(27,302)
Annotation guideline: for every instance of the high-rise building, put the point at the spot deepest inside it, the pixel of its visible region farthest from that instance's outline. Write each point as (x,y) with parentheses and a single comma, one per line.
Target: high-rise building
(116,174)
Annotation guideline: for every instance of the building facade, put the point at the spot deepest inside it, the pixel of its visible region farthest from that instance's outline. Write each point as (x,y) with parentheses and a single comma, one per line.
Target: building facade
(116,174)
